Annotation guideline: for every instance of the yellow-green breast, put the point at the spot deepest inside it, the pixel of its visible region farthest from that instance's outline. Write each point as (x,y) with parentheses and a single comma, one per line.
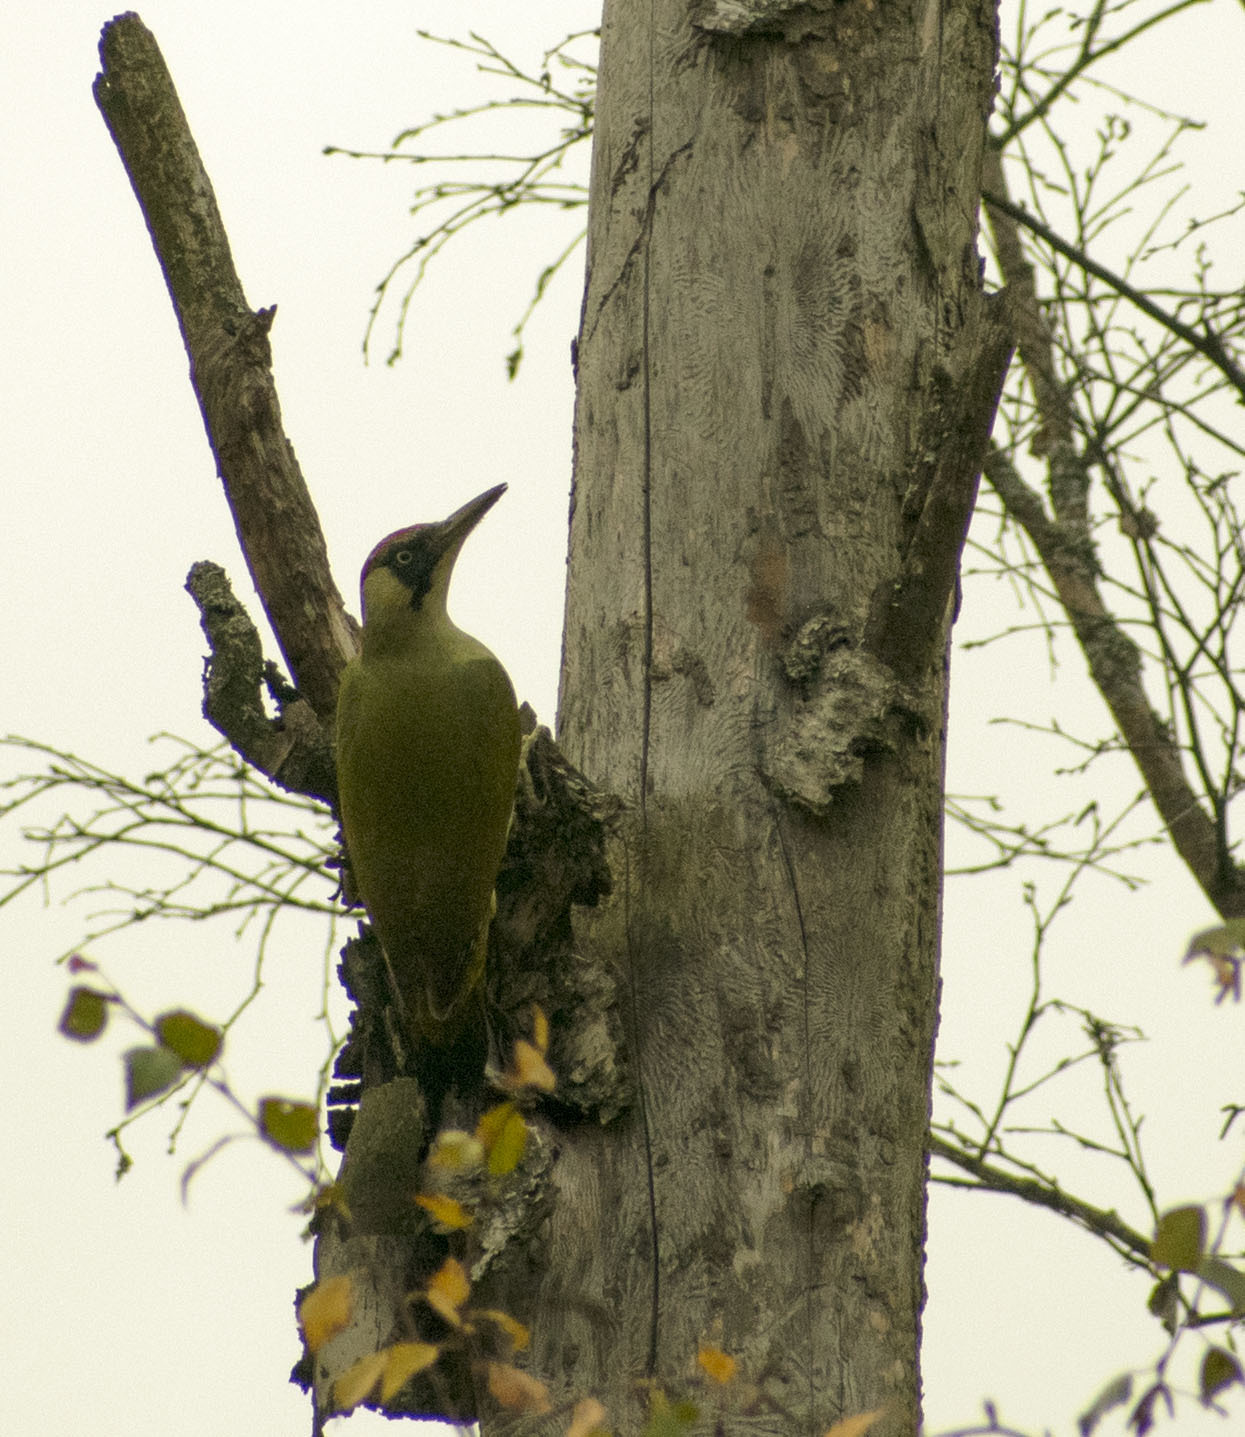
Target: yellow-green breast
(428,751)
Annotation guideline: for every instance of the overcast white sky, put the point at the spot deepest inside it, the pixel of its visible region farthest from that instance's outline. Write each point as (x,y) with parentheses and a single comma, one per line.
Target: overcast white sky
(126,1312)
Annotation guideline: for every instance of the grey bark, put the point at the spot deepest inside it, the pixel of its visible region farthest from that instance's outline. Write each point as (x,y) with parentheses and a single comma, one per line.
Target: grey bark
(783,316)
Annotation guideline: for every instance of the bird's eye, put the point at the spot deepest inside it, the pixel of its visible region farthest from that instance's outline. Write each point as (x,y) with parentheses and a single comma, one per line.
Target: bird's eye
(403,556)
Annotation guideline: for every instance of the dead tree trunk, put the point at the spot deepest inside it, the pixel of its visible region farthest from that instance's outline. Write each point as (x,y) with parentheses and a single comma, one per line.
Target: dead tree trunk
(787,371)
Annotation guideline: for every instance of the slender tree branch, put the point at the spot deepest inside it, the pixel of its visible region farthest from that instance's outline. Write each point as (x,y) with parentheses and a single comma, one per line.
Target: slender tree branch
(1088,56)
(1097,1220)
(1034,342)
(1064,543)
(291,749)
(1204,341)
(1115,665)
(230,361)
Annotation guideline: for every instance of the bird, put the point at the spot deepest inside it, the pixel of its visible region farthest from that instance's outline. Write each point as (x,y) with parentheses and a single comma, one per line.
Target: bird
(427,758)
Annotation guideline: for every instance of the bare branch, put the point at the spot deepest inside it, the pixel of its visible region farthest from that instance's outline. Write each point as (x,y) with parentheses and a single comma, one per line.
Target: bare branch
(292,749)
(1205,342)
(230,361)
(995,1179)
(1065,545)
(1115,664)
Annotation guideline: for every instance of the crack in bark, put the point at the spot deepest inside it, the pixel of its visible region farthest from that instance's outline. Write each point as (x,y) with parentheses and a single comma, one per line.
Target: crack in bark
(811,1228)
(641,239)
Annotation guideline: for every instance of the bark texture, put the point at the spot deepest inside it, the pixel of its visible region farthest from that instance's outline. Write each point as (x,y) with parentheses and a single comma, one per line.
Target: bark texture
(782,315)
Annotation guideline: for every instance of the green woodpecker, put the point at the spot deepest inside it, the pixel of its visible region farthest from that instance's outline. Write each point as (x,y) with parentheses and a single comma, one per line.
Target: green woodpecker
(427,756)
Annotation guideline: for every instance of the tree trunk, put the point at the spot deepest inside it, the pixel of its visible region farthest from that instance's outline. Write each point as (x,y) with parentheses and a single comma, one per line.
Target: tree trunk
(786,374)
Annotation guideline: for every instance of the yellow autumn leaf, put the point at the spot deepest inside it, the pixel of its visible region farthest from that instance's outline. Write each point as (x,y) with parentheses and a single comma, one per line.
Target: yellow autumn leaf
(540,1029)
(325,1310)
(528,1069)
(718,1364)
(516,1390)
(518,1334)
(587,1418)
(504,1135)
(448,1288)
(507,1152)
(454,1151)
(492,1122)
(403,1361)
(447,1212)
(358,1380)
(855,1426)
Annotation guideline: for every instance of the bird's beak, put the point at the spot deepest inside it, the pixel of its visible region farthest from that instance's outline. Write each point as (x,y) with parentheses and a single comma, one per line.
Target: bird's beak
(462,521)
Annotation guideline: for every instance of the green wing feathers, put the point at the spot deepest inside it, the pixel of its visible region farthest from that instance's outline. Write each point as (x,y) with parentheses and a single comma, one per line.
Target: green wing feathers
(428,751)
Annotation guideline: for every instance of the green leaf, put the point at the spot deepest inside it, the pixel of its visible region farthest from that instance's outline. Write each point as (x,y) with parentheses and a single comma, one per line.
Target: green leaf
(669,1419)
(291,1126)
(1141,1418)
(86,1014)
(1219,1370)
(1228,1279)
(195,1042)
(149,1071)
(1118,1390)
(1218,942)
(1180,1239)
(1164,1301)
